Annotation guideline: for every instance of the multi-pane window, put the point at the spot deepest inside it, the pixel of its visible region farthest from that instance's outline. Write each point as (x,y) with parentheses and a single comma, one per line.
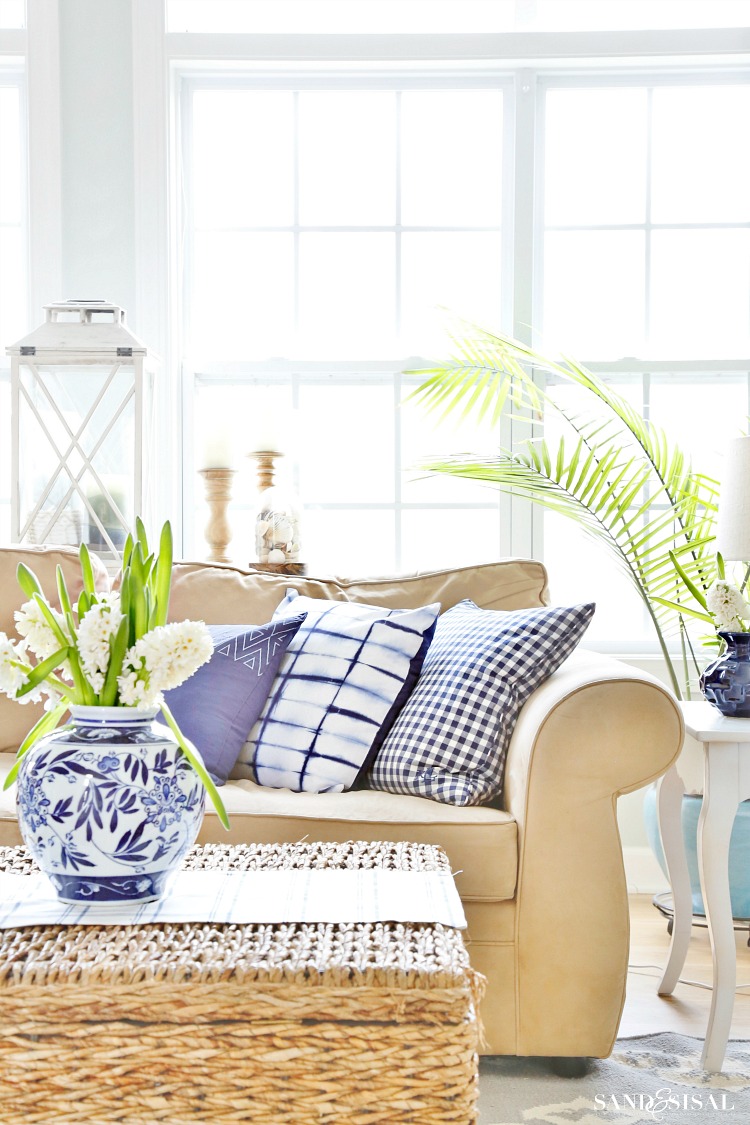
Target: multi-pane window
(646,254)
(647,220)
(327,226)
(327,206)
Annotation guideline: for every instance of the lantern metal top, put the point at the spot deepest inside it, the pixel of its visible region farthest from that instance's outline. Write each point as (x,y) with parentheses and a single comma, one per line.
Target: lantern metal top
(81,327)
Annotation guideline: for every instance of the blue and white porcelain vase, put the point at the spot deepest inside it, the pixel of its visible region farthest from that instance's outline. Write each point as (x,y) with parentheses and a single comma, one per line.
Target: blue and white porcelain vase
(726,682)
(109,805)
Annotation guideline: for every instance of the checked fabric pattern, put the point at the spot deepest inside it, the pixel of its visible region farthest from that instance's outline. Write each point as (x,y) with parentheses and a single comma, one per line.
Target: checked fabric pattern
(218,704)
(451,737)
(343,679)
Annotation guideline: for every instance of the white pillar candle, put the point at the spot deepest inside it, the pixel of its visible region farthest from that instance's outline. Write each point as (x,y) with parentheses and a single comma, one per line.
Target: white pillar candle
(217,450)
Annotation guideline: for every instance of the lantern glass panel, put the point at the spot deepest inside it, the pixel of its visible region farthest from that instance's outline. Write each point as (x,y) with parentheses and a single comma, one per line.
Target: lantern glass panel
(77,454)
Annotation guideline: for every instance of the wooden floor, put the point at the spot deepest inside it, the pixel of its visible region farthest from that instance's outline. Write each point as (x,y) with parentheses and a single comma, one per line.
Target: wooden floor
(687,1009)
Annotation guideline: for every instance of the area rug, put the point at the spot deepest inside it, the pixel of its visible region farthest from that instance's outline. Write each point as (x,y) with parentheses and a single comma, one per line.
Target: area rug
(648,1080)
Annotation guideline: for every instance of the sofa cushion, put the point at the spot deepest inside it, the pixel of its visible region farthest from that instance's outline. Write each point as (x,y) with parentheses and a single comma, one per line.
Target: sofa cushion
(217,594)
(482,844)
(451,738)
(15,720)
(217,706)
(340,683)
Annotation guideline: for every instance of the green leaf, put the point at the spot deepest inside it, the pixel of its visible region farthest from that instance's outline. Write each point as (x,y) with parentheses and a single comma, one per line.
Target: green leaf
(87,571)
(697,594)
(138,609)
(51,620)
(140,530)
(47,723)
(163,575)
(84,605)
(62,591)
(40,671)
(196,762)
(118,646)
(127,551)
(28,581)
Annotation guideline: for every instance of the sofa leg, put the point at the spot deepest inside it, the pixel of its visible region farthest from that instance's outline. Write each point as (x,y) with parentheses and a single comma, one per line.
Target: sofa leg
(570,1067)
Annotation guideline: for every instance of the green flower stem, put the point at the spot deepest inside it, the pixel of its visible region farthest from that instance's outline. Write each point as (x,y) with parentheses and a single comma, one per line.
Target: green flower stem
(194,758)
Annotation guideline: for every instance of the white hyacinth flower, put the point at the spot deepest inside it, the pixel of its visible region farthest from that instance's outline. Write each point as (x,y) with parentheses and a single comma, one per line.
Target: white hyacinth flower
(728,607)
(163,659)
(95,631)
(12,677)
(34,627)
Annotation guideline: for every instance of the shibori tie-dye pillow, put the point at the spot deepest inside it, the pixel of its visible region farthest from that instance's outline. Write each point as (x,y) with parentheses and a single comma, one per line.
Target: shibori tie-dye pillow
(343,680)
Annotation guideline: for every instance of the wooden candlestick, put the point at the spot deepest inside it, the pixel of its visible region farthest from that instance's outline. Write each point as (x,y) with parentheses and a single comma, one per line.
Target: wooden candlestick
(218,533)
(265,459)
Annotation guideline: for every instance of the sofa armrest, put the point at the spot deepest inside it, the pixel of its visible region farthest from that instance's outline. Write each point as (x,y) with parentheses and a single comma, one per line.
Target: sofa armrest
(594,730)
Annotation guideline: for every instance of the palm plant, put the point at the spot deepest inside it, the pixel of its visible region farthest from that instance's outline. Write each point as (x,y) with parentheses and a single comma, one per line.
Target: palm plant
(617,475)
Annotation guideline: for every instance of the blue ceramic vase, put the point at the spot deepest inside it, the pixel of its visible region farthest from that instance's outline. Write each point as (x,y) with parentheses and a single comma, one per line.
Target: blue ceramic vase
(726,682)
(109,805)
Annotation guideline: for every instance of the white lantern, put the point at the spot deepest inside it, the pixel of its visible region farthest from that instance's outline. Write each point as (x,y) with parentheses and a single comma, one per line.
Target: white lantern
(81,401)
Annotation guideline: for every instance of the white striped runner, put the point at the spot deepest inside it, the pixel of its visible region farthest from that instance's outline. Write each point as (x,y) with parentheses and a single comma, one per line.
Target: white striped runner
(290,895)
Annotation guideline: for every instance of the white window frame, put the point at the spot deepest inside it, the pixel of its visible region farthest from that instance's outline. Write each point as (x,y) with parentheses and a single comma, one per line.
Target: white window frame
(533,61)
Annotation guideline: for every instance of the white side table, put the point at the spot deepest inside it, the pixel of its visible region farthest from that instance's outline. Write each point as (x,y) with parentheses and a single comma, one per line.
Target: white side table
(726,747)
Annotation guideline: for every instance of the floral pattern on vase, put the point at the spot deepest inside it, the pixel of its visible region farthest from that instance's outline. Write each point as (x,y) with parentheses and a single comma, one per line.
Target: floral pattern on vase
(109,805)
(726,682)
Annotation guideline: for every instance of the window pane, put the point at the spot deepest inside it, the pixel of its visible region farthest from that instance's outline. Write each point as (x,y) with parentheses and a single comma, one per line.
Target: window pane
(339,16)
(243,291)
(458,271)
(594,293)
(594,15)
(701,168)
(700,292)
(10,149)
(347,294)
(424,438)
(448,537)
(243,158)
(701,416)
(347,158)
(595,156)
(451,157)
(12,285)
(346,444)
(13,313)
(581,570)
(349,542)
(12,14)
(362,16)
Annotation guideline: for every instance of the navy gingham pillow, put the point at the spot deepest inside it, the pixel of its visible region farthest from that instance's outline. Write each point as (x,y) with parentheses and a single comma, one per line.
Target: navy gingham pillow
(451,738)
(342,679)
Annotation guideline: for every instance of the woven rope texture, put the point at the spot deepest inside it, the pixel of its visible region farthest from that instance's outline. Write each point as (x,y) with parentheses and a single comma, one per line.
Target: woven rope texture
(324,1024)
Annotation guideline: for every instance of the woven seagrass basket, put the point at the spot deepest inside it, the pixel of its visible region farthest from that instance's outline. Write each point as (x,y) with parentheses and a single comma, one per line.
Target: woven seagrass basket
(291,1024)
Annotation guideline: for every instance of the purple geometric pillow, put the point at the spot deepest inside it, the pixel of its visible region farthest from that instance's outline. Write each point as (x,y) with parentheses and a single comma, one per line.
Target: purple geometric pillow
(218,706)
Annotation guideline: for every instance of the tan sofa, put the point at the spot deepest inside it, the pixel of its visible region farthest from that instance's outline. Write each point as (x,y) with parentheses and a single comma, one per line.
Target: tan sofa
(541,876)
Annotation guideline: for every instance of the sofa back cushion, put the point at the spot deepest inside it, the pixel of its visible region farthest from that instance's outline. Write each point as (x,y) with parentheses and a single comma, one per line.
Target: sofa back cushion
(17,720)
(217,594)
